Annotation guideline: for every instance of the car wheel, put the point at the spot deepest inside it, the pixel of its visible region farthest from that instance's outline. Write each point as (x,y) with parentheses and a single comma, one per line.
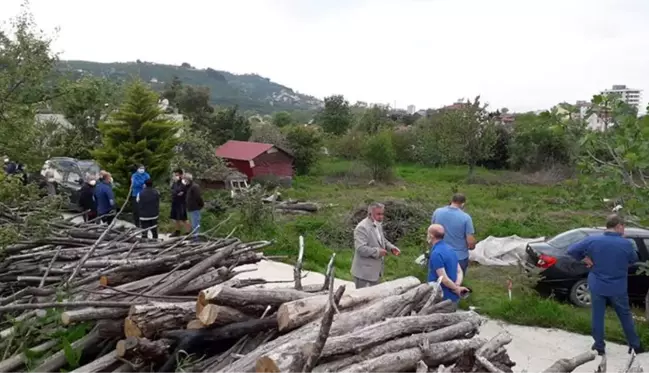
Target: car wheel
(579,294)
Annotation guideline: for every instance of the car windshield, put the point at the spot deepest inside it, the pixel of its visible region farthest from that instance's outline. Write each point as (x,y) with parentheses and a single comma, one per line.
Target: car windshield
(566,239)
(89,167)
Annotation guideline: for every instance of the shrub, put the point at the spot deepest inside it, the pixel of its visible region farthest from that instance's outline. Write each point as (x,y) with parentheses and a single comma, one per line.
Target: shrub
(306,144)
(378,154)
(348,146)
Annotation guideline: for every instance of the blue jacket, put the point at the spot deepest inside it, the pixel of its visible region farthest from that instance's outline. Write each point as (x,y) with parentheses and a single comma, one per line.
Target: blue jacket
(612,255)
(443,256)
(138,180)
(104,197)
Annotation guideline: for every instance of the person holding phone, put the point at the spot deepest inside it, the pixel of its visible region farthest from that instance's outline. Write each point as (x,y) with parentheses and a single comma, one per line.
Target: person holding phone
(443,262)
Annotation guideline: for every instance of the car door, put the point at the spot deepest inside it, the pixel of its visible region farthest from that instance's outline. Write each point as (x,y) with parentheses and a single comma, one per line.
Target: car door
(638,283)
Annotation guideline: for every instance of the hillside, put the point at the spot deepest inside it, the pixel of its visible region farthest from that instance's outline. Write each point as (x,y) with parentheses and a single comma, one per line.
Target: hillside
(248,91)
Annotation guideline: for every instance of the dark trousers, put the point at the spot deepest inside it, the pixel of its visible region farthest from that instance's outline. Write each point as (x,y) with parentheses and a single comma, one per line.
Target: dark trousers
(107,218)
(621,306)
(136,211)
(148,224)
(89,216)
(464,264)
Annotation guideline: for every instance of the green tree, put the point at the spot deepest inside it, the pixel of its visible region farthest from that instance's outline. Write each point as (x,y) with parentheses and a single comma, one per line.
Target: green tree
(269,134)
(375,119)
(469,132)
(306,145)
(336,117)
(195,154)
(379,155)
(26,64)
(228,124)
(282,119)
(137,134)
(193,102)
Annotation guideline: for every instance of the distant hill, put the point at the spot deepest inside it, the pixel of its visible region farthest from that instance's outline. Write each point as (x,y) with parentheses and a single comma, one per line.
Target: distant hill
(248,91)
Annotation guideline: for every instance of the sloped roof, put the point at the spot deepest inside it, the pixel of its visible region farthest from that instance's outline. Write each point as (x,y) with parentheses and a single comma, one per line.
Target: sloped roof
(242,150)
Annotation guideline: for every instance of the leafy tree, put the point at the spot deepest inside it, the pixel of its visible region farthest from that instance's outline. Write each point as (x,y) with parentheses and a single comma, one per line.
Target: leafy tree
(269,134)
(26,64)
(306,144)
(137,133)
(282,119)
(336,117)
(375,119)
(195,154)
(469,132)
(379,155)
(192,102)
(228,124)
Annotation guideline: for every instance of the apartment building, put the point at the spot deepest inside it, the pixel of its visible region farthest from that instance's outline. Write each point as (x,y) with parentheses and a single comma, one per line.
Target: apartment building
(631,96)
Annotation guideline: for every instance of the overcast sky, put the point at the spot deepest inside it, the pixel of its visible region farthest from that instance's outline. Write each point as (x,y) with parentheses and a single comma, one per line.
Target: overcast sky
(520,54)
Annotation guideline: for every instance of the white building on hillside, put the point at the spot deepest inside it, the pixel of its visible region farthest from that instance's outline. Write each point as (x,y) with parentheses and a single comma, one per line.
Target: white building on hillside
(631,96)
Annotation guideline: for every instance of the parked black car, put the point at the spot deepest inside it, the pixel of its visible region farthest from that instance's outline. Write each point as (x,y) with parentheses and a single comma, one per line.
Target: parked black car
(564,275)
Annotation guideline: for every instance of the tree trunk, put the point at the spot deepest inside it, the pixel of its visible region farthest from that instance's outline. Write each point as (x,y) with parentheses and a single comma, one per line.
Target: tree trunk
(98,365)
(18,360)
(354,342)
(228,296)
(568,365)
(55,362)
(142,348)
(110,329)
(221,315)
(406,360)
(92,313)
(457,331)
(147,320)
(294,314)
(343,323)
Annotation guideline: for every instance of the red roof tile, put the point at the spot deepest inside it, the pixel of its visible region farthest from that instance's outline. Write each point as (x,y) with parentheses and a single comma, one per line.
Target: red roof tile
(242,150)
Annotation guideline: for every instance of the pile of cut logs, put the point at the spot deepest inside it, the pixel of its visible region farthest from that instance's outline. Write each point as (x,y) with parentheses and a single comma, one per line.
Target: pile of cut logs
(175,305)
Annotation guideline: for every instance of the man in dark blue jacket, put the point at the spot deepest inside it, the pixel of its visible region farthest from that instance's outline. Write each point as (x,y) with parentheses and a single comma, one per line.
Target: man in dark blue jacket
(105,199)
(609,256)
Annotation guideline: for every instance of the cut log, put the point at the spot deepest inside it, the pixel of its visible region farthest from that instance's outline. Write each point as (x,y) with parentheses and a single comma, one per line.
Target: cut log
(462,330)
(375,334)
(294,314)
(110,329)
(228,296)
(406,360)
(55,362)
(147,320)
(343,323)
(98,365)
(229,331)
(568,365)
(421,367)
(221,315)
(195,324)
(18,360)
(144,349)
(91,313)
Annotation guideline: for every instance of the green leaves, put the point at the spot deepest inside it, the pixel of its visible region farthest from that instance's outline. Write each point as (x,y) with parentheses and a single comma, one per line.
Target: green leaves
(336,117)
(379,155)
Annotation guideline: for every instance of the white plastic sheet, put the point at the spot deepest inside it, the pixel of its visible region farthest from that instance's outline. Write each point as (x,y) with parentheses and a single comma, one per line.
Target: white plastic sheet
(501,251)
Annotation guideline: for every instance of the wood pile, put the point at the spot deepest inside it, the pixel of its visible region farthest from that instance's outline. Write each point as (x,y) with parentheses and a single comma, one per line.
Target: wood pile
(176,306)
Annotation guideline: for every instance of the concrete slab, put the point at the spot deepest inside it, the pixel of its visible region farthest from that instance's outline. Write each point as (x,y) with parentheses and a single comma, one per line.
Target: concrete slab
(535,349)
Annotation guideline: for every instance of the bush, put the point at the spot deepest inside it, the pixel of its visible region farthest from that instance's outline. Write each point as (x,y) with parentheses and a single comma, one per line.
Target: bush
(348,146)
(378,154)
(306,144)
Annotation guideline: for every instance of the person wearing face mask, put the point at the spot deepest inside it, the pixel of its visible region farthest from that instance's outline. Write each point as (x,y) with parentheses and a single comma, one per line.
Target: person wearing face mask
(138,179)
(179,204)
(105,198)
(458,228)
(87,200)
(443,262)
(195,203)
(370,248)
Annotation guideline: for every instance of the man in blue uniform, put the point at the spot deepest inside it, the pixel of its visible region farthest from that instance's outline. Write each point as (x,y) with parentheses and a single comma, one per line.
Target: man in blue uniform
(609,256)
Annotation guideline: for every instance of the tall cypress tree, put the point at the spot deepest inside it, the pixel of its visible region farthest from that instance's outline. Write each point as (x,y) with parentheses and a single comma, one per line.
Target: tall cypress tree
(138,133)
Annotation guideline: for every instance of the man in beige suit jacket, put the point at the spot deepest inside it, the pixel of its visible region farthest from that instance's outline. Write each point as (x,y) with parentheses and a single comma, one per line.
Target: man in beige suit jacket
(371,247)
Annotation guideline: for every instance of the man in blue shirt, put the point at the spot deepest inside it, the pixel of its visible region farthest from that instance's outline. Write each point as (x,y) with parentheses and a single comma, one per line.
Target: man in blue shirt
(105,198)
(138,179)
(458,226)
(443,263)
(609,257)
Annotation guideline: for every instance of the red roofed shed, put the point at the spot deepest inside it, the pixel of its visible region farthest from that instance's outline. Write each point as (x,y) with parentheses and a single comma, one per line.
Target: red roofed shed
(257,159)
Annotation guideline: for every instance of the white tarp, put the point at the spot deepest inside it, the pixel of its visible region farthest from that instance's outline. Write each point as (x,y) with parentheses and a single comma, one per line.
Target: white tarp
(501,251)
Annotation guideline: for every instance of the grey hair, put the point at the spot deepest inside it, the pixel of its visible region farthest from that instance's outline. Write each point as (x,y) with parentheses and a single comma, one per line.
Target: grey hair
(188,176)
(374,205)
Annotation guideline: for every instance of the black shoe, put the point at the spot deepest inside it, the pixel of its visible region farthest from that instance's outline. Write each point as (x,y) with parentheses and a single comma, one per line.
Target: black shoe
(175,234)
(638,350)
(601,352)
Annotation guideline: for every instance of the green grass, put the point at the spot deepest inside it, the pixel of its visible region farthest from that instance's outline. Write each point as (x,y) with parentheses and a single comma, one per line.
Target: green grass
(501,204)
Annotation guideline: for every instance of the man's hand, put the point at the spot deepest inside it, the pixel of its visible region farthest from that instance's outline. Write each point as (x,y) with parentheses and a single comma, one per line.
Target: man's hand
(383,252)
(588,262)
(459,290)
(396,251)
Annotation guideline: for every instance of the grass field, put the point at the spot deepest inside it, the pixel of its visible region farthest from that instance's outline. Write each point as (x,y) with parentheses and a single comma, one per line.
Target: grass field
(501,204)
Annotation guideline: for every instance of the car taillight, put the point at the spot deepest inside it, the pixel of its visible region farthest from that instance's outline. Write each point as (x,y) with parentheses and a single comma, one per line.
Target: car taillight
(546,261)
